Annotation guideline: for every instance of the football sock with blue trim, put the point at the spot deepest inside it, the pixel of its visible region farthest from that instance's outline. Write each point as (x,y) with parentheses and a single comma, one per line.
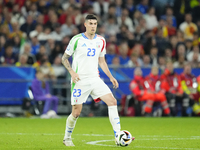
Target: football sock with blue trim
(70,124)
(114,118)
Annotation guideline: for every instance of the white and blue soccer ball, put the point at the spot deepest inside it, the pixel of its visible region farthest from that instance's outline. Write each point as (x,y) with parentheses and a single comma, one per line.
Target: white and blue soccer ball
(123,138)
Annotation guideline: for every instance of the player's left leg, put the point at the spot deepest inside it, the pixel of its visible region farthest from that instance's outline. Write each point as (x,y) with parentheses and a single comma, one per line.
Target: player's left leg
(112,111)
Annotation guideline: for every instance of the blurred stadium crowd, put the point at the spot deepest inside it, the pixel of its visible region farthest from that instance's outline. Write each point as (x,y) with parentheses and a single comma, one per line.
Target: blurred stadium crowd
(139,33)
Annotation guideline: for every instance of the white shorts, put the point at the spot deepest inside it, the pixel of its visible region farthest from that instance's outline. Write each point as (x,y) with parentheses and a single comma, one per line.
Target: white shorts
(85,87)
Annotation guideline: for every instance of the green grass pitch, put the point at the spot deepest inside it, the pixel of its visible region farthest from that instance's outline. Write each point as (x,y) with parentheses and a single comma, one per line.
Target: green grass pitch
(96,133)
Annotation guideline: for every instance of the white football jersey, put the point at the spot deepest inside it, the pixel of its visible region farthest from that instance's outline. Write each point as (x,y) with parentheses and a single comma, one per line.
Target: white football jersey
(85,54)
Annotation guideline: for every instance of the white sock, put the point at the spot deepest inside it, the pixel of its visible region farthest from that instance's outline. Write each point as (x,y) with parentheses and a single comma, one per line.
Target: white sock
(70,124)
(114,118)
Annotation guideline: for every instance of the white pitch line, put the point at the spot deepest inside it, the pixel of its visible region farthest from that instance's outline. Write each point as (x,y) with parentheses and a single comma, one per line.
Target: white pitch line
(146,147)
(140,137)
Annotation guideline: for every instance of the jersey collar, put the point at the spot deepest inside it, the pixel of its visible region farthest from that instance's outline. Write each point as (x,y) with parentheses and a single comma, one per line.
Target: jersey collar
(86,36)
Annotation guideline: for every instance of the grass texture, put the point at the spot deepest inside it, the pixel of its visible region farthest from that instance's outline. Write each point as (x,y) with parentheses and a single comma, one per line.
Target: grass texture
(96,133)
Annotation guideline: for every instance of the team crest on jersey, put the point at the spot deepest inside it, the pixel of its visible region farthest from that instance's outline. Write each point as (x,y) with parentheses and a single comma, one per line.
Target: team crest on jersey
(98,44)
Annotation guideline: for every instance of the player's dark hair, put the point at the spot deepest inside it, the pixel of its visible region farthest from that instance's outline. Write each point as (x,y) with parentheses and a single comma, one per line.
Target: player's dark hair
(90,16)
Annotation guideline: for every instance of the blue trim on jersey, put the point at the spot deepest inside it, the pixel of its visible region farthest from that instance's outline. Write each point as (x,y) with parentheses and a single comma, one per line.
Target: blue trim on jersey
(86,36)
(95,36)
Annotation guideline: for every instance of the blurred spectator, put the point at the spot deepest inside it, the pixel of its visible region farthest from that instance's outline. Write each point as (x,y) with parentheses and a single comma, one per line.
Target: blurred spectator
(180,63)
(122,35)
(9,57)
(162,63)
(100,7)
(81,26)
(111,28)
(123,53)
(33,11)
(16,31)
(70,12)
(56,34)
(173,45)
(136,17)
(131,7)
(59,69)
(40,19)
(43,6)
(137,49)
(125,19)
(78,16)
(22,61)
(67,28)
(151,20)
(67,4)
(134,61)
(50,45)
(17,15)
(41,92)
(181,7)
(143,6)
(181,51)
(26,8)
(118,10)
(146,61)
(195,50)
(53,21)
(2,45)
(161,42)
(115,62)
(188,44)
(28,26)
(154,56)
(168,54)
(46,68)
(110,53)
(188,27)
(27,50)
(180,36)
(41,52)
(195,60)
(38,31)
(196,40)
(35,45)
(44,36)
(15,41)
(65,42)
(169,14)
(140,29)
(111,12)
(55,5)
(170,28)
(150,42)
(55,52)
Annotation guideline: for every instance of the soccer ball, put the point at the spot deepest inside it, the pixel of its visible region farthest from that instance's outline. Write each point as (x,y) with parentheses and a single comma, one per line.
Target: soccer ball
(123,138)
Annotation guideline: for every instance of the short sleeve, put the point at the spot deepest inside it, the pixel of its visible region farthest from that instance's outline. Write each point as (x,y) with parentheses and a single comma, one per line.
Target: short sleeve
(71,47)
(103,49)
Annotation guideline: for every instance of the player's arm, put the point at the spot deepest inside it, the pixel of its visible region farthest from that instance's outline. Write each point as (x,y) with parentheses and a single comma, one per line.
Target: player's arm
(66,63)
(104,67)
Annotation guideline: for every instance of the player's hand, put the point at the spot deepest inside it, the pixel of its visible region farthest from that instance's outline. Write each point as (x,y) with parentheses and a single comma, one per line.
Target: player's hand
(75,77)
(114,82)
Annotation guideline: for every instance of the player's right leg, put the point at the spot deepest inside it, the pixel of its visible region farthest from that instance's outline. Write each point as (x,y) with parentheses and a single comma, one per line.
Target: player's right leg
(70,124)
